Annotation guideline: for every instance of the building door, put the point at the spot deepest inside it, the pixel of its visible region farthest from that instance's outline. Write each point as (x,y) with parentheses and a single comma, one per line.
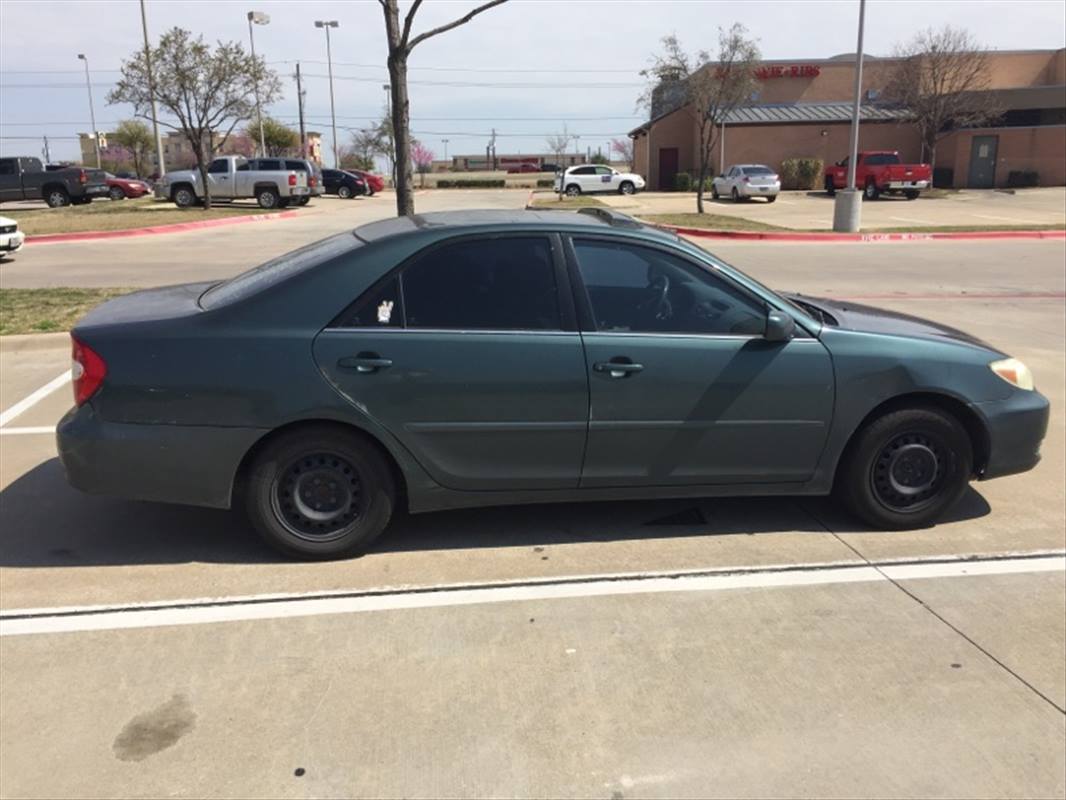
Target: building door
(668,159)
(983,162)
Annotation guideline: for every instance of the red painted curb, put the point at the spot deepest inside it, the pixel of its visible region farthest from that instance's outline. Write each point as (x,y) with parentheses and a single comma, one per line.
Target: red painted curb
(177,227)
(774,236)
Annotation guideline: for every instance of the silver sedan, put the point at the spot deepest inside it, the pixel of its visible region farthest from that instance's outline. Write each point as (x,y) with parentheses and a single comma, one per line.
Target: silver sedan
(742,181)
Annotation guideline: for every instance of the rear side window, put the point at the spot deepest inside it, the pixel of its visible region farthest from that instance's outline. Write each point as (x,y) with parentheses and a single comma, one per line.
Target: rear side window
(269,164)
(483,284)
(379,307)
(296,165)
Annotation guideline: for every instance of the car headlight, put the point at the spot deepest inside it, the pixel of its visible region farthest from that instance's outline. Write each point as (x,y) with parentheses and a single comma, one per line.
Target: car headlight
(1013,372)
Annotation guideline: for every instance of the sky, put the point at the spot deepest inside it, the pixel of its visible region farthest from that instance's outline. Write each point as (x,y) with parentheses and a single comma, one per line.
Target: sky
(525,68)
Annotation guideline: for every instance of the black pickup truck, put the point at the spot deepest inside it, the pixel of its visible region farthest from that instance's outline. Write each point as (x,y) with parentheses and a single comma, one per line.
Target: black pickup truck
(24,178)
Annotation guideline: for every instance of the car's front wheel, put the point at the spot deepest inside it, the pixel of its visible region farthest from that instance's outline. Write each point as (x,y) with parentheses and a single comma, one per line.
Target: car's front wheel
(116,193)
(319,493)
(906,468)
(627,187)
(184,197)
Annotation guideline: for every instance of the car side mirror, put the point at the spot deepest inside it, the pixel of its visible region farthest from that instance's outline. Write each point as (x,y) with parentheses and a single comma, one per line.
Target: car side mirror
(780,326)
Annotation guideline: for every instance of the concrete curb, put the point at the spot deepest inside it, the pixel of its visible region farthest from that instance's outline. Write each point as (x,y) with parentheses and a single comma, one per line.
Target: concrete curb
(22,342)
(178,227)
(915,236)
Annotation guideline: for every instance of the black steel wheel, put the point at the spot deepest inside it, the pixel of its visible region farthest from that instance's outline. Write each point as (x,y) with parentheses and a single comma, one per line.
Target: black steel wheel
(319,492)
(906,468)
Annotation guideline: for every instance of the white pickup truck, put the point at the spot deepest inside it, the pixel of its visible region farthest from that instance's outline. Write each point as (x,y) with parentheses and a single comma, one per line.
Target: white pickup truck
(236,178)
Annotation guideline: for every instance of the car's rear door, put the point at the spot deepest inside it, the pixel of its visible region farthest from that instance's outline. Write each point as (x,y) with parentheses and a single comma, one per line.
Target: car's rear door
(683,387)
(470,355)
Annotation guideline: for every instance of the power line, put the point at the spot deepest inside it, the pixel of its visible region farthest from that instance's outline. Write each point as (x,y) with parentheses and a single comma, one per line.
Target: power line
(488,84)
(469,69)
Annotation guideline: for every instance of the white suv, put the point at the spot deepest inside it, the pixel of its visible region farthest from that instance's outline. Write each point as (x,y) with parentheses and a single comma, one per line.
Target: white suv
(588,178)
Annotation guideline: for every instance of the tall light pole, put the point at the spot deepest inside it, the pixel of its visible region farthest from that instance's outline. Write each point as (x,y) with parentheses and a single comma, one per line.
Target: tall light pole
(847,210)
(259,18)
(92,113)
(445,143)
(327,24)
(162,168)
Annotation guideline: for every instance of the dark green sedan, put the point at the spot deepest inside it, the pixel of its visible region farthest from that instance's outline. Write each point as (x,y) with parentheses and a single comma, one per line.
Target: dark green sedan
(489,358)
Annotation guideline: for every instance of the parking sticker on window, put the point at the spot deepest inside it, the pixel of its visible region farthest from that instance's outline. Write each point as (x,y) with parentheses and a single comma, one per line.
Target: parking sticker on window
(385,311)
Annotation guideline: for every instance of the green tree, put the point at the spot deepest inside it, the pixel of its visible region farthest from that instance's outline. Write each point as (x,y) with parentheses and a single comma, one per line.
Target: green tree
(400,43)
(208,91)
(136,138)
(280,139)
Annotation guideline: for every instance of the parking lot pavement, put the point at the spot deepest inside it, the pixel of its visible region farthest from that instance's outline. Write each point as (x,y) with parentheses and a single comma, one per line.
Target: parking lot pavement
(814,210)
(830,688)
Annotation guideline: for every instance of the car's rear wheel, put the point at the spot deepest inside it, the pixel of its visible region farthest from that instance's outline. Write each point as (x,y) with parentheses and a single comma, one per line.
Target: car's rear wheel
(627,187)
(319,493)
(369,190)
(344,192)
(911,194)
(305,200)
(830,189)
(573,190)
(714,192)
(906,468)
(870,191)
(735,195)
(57,197)
(116,193)
(771,198)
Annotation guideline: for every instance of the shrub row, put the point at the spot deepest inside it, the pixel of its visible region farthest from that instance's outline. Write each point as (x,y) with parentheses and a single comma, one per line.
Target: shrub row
(472,183)
(1017,179)
(545,183)
(802,173)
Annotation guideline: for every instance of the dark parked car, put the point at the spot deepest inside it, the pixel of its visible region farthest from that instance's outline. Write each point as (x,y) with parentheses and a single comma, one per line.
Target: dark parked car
(342,183)
(374,183)
(25,178)
(488,358)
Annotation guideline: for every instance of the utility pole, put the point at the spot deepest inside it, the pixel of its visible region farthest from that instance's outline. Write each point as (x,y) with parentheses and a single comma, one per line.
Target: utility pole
(47,152)
(161,167)
(493,144)
(327,24)
(445,143)
(847,208)
(300,106)
(92,113)
(259,18)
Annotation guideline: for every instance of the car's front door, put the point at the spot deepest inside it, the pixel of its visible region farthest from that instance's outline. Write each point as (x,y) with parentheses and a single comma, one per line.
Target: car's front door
(470,356)
(606,179)
(219,178)
(684,388)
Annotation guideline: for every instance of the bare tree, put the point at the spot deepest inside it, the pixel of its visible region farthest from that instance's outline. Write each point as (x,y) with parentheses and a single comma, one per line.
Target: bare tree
(401,43)
(709,91)
(942,82)
(208,91)
(557,144)
(623,148)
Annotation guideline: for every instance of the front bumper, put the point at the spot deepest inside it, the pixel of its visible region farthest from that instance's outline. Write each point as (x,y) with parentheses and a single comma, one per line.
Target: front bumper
(12,242)
(1016,426)
(191,465)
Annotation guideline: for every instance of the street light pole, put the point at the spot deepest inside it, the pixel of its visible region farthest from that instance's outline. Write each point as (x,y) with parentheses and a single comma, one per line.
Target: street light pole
(92,113)
(327,24)
(445,143)
(160,165)
(847,210)
(259,18)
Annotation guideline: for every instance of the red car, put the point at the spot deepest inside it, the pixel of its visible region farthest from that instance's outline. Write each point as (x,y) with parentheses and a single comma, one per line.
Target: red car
(527,167)
(121,188)
(374,183)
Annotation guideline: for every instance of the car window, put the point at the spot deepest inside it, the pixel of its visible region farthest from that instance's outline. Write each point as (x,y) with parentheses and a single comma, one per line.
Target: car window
(269,164)
(296,165)
(483,284)
(634,289)
(7,166)
(603,170)
(244,166)
(758,171)
(329,173)
(732,172)
(583,171)
(379,307)
(218,165)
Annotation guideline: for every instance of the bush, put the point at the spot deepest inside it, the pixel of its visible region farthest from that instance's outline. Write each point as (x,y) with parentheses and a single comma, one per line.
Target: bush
(545,183)
(801,173)
(1017,179)
(472,183)
(683,182)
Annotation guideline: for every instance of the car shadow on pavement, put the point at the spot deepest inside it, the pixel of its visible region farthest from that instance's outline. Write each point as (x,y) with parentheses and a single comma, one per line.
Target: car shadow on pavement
(45,523)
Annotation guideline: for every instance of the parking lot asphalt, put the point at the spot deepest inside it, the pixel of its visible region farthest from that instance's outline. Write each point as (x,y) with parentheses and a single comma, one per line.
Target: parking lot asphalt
(810,674)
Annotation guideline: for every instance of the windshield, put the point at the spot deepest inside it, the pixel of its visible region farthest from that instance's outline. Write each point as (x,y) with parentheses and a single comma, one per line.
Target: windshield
(277,270)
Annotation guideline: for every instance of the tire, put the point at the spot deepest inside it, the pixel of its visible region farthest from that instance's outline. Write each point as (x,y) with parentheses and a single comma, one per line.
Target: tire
(184,197)
(772,198)
(830,189)
(268,198)
(116,193)
(285,504)
(303,201)
(714,192)
(627,187)
(735,195)
(911,194)
(57,197)
(573,190)
(870,191)
(344,192)
(887,464)
(369,190)
(284,202)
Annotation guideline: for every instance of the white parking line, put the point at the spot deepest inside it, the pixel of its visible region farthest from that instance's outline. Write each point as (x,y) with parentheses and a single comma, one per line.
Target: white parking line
(28,430)
(89,618)
(29,402)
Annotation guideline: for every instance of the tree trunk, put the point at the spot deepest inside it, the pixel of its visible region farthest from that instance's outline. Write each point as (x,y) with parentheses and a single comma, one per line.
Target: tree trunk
(202,168)
(405,201)
(699,186)
(931,150)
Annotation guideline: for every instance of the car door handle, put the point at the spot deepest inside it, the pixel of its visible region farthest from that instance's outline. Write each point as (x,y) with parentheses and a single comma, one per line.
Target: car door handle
(617,369)
(365,364)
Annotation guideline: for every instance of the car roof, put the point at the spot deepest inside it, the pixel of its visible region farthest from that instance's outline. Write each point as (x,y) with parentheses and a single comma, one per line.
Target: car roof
(587,219)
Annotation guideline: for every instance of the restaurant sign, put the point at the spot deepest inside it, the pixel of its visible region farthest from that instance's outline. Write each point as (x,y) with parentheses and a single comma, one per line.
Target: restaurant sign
(791,71)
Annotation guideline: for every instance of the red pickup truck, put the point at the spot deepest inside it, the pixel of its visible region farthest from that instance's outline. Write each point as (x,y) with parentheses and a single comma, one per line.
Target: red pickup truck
(879,171)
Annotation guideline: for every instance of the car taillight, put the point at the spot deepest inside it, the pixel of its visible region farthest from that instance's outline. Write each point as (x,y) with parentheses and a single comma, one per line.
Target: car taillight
(292,179)
(82,177)
(312,181)
(747,179)
(87,371)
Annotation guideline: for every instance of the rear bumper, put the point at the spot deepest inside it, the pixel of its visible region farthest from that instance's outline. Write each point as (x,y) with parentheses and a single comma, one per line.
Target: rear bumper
(1016,427)
(908,184)
(298,191)
(192,465)
(761,191)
